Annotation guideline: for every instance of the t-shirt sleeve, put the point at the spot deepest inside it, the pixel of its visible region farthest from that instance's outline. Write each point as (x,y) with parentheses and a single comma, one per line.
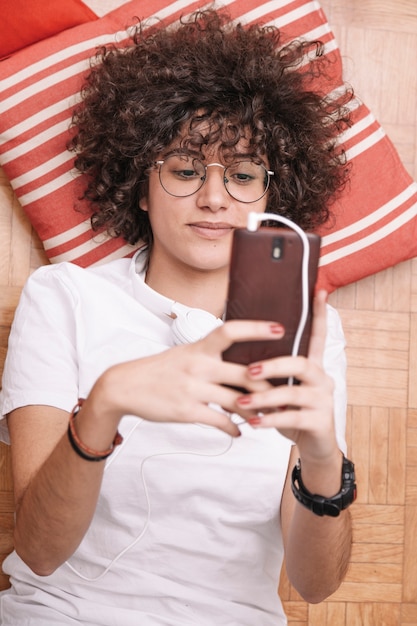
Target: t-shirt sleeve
(335,366)
(41,364)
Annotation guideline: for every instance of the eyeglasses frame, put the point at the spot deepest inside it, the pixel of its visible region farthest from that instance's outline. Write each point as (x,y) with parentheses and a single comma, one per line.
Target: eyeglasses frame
(204,178)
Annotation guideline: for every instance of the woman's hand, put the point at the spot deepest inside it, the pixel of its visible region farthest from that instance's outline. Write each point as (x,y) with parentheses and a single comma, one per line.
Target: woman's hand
(302,412)
(183,383)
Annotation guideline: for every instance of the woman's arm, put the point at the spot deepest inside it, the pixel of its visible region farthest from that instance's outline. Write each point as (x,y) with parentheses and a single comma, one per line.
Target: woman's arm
(317,548)
(56,490)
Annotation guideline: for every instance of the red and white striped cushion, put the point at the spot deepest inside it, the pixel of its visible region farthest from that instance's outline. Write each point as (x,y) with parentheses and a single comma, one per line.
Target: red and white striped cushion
(26,21)
(375,223)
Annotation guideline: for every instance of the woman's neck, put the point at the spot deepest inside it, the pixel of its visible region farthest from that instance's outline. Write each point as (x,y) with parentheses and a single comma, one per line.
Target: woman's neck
(197,289)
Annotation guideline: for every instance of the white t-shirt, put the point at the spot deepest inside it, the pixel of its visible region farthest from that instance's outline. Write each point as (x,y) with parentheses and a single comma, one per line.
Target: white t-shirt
(186,529)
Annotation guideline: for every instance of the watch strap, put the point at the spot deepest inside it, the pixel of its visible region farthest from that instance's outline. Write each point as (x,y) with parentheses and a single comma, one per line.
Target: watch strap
(321,505)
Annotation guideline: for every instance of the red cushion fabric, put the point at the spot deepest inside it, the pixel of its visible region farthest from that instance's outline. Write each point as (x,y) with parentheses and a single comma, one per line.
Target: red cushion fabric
(27,21)
(375,222)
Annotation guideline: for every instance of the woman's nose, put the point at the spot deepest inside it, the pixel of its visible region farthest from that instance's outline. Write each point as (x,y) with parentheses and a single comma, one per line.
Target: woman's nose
(213,194)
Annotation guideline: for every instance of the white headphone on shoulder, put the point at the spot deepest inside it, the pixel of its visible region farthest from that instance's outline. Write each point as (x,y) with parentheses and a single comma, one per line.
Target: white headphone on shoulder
(188,324)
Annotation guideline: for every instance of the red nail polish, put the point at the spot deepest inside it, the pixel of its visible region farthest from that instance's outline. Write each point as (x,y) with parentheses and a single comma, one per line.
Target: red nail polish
(277,329)
(244,400)
(255,369)
(254,421)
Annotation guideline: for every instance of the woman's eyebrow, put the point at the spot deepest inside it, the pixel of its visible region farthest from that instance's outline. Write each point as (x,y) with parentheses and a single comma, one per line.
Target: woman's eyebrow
(183,152)
(229,158)
(245,156)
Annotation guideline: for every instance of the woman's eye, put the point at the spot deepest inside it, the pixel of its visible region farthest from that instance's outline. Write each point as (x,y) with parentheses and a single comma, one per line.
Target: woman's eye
(184,174)
(240,177)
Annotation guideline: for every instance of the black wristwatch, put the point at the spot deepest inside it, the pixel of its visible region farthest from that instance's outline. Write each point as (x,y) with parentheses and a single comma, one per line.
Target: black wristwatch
(319,504)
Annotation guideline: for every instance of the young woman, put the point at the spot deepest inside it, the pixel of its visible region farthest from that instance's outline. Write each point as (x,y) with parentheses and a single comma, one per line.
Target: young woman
(187,520)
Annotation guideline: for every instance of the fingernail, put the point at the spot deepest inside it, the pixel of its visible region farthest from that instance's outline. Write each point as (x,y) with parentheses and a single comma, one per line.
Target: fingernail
(255,369)
(276,329)
(244,400)
(254,421)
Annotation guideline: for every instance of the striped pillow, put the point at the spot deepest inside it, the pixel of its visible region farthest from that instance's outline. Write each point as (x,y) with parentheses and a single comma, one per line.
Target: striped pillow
(374,227)
(26,21)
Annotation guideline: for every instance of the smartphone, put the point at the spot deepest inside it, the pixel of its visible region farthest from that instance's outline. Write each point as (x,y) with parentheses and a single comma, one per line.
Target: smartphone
(265,283)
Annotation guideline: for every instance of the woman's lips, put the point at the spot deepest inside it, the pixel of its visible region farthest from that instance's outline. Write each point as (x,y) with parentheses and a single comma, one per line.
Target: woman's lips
(212,230)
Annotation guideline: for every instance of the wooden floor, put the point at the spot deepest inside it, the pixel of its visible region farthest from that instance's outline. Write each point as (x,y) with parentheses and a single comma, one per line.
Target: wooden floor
(378,39)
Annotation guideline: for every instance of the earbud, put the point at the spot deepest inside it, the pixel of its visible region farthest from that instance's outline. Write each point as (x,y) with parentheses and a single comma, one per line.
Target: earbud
(190,325)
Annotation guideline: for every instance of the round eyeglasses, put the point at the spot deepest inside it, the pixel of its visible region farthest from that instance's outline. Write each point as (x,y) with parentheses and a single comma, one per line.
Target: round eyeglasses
(183,175)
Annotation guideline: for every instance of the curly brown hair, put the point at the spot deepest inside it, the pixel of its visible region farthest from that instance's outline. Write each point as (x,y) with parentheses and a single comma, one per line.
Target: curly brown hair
(138,100)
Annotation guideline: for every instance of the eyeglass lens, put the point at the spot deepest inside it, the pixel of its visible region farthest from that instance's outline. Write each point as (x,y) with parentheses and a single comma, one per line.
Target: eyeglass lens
(183,175)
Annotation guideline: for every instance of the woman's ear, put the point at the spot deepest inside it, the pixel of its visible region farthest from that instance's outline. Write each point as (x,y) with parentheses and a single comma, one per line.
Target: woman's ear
(143,203)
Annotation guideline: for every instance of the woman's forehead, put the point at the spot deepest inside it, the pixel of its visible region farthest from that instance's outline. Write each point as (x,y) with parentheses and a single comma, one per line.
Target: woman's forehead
(215,136)
(203,142)
(215,129)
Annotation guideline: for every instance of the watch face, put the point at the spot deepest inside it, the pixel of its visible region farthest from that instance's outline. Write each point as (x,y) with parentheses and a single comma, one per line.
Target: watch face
(349,490)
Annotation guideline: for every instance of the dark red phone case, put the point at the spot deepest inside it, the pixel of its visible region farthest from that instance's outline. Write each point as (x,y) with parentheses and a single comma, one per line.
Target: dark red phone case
(266,284)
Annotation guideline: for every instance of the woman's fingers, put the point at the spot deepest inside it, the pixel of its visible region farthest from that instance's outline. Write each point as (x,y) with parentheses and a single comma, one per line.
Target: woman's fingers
(287,398)
(186,383)
(224,336)
(302,369)
(210,416)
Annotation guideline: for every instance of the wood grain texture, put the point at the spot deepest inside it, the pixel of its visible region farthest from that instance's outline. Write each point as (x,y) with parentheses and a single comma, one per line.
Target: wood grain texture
(378,40)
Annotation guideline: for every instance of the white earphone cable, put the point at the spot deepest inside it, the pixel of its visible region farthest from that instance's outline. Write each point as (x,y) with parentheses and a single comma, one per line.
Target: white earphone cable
(254,219)
(147,499)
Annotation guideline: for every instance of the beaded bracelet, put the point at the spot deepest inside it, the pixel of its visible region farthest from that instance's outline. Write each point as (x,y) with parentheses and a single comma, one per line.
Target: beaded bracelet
(89,454)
